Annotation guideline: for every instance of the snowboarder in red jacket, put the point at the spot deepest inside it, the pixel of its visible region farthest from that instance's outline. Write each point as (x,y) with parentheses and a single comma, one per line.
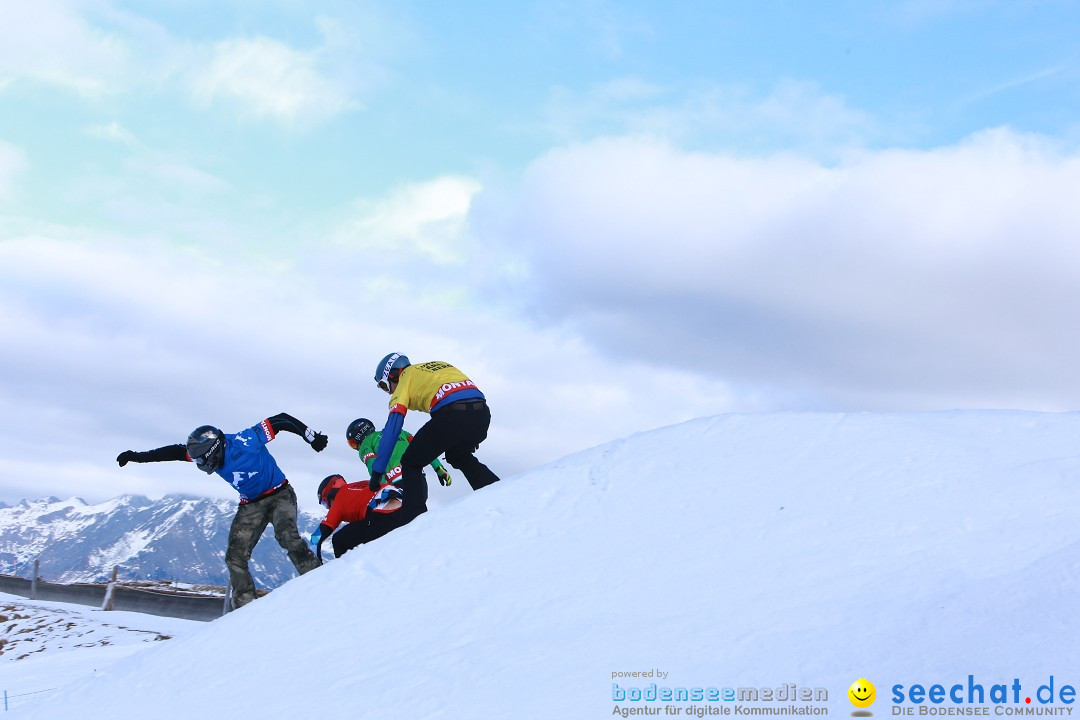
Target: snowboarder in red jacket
(370,514)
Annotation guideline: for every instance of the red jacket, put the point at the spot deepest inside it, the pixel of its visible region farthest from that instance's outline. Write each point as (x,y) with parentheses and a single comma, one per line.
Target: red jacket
(350,505)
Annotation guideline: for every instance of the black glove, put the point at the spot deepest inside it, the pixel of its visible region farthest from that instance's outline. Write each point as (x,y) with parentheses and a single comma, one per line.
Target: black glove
(376,481)
(319,442)
(127,456)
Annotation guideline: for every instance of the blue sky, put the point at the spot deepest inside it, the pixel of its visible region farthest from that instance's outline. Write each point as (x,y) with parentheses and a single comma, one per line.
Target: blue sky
(614,215)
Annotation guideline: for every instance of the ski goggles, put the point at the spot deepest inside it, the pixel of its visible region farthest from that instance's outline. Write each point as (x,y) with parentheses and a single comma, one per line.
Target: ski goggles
(210,460)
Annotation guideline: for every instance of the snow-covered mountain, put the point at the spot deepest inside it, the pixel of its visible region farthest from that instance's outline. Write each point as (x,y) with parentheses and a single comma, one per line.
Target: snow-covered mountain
(178,537)
(787,553)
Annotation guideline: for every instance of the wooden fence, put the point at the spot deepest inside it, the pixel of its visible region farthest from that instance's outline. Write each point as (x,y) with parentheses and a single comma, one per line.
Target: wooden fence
(115,596)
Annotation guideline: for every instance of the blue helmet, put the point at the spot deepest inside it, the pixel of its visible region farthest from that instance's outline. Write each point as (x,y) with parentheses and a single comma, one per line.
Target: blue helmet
(389,370)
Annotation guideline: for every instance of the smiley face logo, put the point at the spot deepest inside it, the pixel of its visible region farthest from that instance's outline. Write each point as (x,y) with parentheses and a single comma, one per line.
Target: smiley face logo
(862,693)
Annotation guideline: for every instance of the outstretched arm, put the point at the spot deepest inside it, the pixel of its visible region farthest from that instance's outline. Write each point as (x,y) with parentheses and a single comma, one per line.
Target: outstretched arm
(286,422)
(161,454)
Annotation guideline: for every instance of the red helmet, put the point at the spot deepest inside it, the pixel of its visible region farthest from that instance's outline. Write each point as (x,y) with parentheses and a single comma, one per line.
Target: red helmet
(329,487)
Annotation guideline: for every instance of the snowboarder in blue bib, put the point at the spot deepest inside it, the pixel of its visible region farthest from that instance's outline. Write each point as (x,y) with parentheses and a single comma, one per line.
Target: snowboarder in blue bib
(265,494)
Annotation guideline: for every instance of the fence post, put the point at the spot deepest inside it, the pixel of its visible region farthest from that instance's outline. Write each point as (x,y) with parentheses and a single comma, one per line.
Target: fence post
(108,603)
(33,582)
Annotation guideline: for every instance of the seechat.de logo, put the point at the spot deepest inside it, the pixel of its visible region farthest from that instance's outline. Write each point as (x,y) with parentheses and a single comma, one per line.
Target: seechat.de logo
(862,695)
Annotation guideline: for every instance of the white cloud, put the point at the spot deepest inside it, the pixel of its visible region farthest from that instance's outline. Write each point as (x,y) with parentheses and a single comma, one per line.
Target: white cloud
(266,78)
(97,49)
(144,188)
(894,279)
(425,220)
(109,343)
(50,41)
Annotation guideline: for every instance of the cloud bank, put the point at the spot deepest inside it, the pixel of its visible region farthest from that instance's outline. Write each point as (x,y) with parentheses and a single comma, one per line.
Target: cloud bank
(110,343)
(893,279)
(615,286)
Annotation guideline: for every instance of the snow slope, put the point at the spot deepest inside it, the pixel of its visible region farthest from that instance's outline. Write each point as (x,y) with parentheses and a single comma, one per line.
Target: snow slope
(762,550)
(45,645)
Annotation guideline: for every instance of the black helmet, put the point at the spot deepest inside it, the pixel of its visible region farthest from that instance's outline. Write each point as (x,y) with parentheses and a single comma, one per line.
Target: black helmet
(359,429)
(328,488)
(389,370)
(206,448)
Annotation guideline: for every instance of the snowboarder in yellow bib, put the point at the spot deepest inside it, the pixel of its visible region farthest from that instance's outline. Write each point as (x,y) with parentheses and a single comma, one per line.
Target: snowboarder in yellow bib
(459,422)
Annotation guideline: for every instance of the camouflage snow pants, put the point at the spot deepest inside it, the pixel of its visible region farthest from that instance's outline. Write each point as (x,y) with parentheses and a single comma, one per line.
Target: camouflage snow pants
(247,527)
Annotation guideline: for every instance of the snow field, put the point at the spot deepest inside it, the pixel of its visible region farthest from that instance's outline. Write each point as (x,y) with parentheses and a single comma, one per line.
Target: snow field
(756,550)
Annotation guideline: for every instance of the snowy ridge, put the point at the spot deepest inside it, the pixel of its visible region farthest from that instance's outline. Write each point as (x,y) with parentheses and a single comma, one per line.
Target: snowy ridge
(45,645)
(760,551)
(175,538)
(29,630)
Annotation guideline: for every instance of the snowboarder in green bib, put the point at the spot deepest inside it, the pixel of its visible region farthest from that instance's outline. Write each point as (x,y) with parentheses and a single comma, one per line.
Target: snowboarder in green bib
(365,439)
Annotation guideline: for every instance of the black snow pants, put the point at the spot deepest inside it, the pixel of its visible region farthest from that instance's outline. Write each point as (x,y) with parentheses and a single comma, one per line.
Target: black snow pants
(456,430)
(414,496)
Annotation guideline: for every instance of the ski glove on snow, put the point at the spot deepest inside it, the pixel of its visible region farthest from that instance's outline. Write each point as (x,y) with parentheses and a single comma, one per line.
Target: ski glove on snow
(444,476)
